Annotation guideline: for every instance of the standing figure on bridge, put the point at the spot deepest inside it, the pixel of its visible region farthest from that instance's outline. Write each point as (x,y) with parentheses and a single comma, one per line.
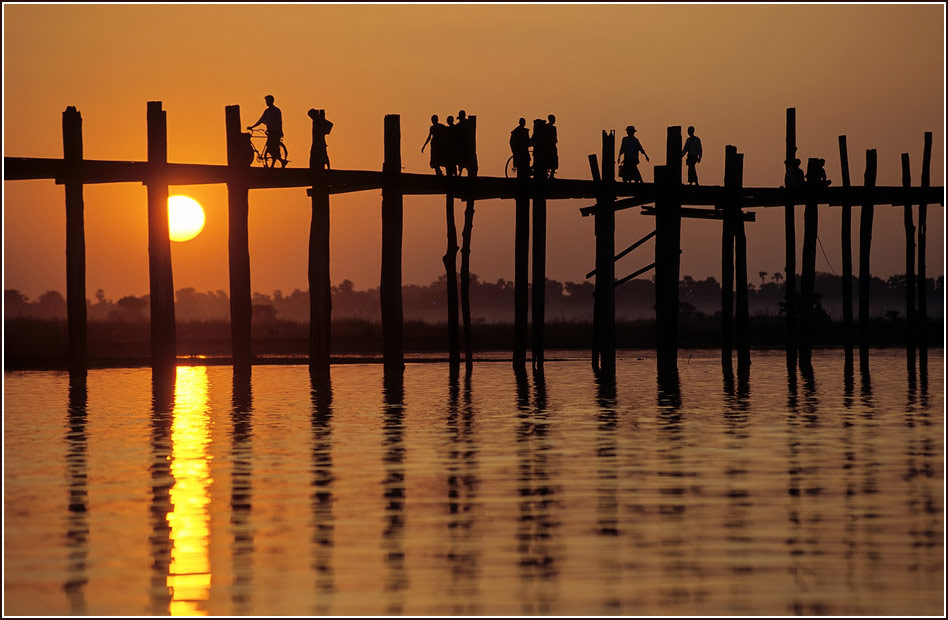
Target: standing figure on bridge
(273,119)
(318,155)
(520,147)
(554,154)
(467,144)
(452,147)
(629,152)
(541,149)
(693,151)
(436,136)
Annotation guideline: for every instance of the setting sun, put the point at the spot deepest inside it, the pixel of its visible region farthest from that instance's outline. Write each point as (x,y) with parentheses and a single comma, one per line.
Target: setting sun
(185,218)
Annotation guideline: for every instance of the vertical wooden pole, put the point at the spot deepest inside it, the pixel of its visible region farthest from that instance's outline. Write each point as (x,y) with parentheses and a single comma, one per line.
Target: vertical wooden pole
(75,242)
(390,287)
(521,268)
(238,209)
(466,246)
(922,248)
(865,244)
(161,286)
(727,263)
(450,260)
(808,276)
(791,247)
(606,246)
(909,224)
(847,252)
(742,314)
(320,286)
(601,259)
(667,258)
(539,266)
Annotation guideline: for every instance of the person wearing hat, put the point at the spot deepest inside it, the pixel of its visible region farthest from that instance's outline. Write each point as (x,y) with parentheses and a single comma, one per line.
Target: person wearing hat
(629,153)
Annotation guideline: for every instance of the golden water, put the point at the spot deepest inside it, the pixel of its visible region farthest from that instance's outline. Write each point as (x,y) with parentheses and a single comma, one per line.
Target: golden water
(479,496)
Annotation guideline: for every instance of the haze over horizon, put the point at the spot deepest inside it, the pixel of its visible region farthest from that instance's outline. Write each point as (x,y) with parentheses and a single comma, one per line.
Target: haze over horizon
(874,73)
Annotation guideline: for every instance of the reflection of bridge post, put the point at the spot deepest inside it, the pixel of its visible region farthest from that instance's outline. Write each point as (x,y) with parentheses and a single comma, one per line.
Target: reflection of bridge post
(390,286)
(322,497)
(75,241)
(161,484)
(241,495)
(238,244)
(77,473)
(161,286)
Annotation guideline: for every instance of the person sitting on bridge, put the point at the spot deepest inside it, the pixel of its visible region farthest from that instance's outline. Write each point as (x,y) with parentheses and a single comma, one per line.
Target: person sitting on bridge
(318,154)
(467,144)
(520,146)
(629,152)
(273,119)
(819,174)
(794,176)
(436,136)
(693,151)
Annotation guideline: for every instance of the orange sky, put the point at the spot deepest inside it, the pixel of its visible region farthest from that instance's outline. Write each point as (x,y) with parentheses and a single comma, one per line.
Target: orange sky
(875,73)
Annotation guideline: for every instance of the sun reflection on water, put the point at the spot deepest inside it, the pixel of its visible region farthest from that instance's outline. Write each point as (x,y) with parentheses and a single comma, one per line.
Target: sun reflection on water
(189,576)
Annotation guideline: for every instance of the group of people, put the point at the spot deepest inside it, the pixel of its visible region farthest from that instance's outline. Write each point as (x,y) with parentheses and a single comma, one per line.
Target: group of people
(815,175)
(453,146)
(631,147)
(546,158)
(272,118)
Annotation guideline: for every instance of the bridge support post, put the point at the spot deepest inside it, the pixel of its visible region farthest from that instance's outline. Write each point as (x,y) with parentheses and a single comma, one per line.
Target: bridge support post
(539,266)
(742,314)
(909,223)
(727,265)
(75,243)
(922,244)
(521,268)
(667,259)
(238,208)
(865,244)
(466,245)
(808,275)
(847,252)
(790,245)
(450,260)
(390,286)
(161,285)
(604,327)
(320,287)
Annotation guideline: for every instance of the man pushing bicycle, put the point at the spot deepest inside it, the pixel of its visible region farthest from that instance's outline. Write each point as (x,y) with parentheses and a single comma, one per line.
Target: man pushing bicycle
(273,119)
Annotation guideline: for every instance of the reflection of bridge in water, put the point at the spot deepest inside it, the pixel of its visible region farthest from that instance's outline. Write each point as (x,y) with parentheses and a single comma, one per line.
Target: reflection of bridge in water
(666,199)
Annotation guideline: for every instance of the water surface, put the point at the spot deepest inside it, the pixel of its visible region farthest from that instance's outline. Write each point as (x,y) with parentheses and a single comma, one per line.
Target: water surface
(485,494)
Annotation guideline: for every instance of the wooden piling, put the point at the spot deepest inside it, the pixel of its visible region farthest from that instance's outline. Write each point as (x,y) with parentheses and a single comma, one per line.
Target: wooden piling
(727,264)
(238,209)
(922,247)
(600,262)
(390,287)
(742,313)
(75,243)
(909,224)
(790,244)
(320,286)
(808,276)
(450,260)
(847,255)
(667,258)
(466,232)
(605,261)
(539,267)
(521,267)
(865,244)
(161,285)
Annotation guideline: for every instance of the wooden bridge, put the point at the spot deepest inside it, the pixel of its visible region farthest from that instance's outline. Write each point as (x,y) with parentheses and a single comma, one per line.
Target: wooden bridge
(666,198)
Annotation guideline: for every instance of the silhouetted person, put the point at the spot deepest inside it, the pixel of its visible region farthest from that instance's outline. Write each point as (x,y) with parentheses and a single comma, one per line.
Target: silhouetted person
(541,148)
(318,155)
(794,176)
(629,150)
(452,147)
(273,119)
(467,145)
(436,136)
(693,151)
(520,145)
(554,154)
(817,176)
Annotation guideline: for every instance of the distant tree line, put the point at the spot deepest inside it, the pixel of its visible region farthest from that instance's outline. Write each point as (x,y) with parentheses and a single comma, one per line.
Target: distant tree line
(491,302)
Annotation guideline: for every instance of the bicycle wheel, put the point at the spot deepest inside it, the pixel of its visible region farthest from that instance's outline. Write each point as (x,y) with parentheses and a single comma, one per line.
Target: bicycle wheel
(284,152)
(509,169)
(268,160)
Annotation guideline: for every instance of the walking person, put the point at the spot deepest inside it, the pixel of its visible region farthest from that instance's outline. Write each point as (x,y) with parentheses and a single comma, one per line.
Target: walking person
(693,151)
(436,136)
(273,119)
(318,153)
(520,146)
(629,153)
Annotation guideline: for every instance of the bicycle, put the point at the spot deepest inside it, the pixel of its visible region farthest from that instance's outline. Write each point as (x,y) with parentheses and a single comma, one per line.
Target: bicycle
(264,155)
(510,170)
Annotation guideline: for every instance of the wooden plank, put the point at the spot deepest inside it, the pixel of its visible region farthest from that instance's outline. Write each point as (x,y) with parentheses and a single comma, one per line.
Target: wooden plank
(238,247)
(808,275)
(540,184)
(451,271)
(922,248)
(635,274)
(790,247)
(75,245)
(626,251)
(847,255)
(161,284)
(742,311)
(521,267)
(865,245)
(599,257)
(606,249)
(390,287)
(727,265)
(320,286)
(705,214)
(466,233)
(909,225)
(667,260)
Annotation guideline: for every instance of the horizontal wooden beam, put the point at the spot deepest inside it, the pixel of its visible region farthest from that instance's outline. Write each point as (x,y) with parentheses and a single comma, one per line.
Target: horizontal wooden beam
(704,214)
(477,188)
